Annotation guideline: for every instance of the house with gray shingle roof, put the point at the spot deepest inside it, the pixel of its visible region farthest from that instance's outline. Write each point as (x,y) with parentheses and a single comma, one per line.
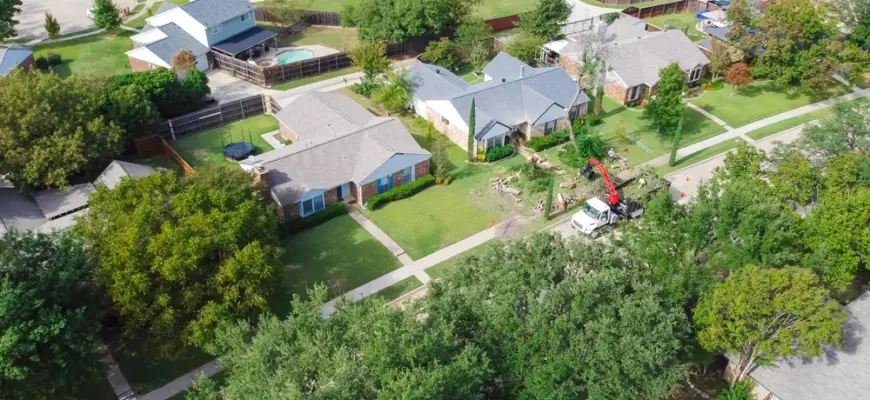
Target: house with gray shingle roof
(514,100)
(340,152)
(199,26)
(839,373)
(634,56)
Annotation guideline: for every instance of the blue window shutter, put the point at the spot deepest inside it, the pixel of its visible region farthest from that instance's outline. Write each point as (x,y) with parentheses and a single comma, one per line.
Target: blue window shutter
(391,181)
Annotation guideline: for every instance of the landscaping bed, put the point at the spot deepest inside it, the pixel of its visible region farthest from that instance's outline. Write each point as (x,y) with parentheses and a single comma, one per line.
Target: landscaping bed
(101,54)
(759,100)
(207,147)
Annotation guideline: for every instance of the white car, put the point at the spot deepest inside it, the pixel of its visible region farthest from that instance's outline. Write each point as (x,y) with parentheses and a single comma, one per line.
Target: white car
(90,13)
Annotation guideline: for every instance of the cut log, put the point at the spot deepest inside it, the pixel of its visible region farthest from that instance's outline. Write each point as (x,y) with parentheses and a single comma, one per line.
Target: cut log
(568,185)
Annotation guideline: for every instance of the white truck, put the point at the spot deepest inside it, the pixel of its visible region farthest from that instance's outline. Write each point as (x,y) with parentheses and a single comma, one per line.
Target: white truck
(597,216)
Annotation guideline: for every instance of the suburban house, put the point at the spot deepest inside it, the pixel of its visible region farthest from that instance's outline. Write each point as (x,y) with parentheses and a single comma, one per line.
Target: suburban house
(514,99)
(201,26)
(340,152)
(55,209)
(842,374)
(14,56)
(719,35)
(634,57)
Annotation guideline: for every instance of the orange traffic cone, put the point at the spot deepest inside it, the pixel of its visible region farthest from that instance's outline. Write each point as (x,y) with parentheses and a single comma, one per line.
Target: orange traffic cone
(687,178)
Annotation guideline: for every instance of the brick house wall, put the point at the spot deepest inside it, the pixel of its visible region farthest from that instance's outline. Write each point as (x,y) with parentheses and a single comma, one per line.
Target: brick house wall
(139,65)
(616,92)
(25,65)
(561,123)
(421,169)
(287,133)
(367,191)
(330,196)
(451,131)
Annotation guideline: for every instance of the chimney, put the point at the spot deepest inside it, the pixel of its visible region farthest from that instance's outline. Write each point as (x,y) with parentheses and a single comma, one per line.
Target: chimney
(522,70)
(261,174)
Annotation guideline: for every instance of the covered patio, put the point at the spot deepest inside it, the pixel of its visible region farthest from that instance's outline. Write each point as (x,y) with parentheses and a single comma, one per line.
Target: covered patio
(250,45)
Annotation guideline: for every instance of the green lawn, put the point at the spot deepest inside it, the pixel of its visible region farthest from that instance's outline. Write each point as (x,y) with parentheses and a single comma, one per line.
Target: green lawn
(624,6)
(466,72)
(399,288)
(312,79)
(139,21)
(146,372)
(180,2)
(696,128)
(757,101)
(342,39)
(439,271)
(207,147)
(683,21)
(338,253)
(699,156)
(487,9)
(101,54)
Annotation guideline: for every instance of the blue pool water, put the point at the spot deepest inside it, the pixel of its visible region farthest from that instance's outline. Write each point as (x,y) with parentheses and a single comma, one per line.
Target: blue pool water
(292,56)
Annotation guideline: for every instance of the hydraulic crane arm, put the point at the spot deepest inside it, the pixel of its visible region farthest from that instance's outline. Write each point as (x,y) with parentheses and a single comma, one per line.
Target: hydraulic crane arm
(613,197)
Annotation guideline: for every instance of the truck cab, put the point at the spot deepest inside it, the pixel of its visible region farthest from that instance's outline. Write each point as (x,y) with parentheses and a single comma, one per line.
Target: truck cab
(593,217)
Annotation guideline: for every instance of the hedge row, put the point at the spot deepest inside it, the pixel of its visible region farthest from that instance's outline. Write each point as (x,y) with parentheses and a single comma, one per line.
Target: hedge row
(329,212)
(399,192)
(539,143)
(499,152)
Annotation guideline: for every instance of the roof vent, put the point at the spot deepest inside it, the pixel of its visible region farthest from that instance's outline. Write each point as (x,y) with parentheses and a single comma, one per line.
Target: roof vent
(503,80)
(437,71)
(522,70)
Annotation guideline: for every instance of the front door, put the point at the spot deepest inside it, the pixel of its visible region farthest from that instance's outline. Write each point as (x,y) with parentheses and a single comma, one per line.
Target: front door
(338,193)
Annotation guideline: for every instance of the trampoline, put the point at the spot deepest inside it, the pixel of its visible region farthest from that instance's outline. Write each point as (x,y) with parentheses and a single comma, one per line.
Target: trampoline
(238,150)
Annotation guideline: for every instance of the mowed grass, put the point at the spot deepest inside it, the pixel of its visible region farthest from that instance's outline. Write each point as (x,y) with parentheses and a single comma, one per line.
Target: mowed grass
(341,39)
(338,253)
(699,156)
(696,127)
(207,147)
(399,288)
(795,121)
(443,269)
(487,9)
(146,371)
(759,100)
(624,6)
(139,21)
(100,55)
(683,21)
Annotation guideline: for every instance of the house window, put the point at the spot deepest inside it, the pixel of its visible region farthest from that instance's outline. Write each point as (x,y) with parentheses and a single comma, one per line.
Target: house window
(574,112)
(695,74)
(634,93)
(245,17)
(445,121)
(217,28)
(312,205)
(549,127)
(407,175)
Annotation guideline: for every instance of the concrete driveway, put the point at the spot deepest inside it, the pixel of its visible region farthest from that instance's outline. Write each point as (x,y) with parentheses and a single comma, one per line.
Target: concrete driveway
(71,14)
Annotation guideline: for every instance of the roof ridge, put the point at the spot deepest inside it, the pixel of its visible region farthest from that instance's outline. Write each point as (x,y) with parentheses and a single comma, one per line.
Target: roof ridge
(520,80)
(316,94)
(328,140)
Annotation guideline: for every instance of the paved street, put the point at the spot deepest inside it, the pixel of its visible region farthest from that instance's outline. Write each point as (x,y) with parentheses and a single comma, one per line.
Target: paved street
(71,14)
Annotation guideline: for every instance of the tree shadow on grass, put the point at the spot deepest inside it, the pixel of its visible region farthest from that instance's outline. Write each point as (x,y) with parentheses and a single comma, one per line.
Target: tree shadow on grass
(333,253)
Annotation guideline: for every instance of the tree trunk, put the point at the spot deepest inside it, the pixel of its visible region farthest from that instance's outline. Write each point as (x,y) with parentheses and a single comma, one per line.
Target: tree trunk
(732,91)
(676,144)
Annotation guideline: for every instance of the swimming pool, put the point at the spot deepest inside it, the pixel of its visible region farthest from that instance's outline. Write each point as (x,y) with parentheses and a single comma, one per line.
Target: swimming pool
(292,56)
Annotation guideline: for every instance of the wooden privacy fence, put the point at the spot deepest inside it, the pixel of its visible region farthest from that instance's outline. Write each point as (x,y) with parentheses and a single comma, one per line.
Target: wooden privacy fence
(311,17)
(315,66)
(220,115)
(172,155)
(664,9)
(503,23)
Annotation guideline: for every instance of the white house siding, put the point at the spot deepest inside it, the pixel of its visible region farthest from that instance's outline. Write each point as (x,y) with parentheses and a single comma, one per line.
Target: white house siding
(184,21)
(396,163)
(420,108)
(146,55)
(202,62)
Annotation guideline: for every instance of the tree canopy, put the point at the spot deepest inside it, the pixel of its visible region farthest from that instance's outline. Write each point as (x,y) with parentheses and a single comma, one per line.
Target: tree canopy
(49,316)
(546,19)
(52,128)
(8,10)
(665,110)
(106,15)
(371,58)
(171,95)
(395,21)
(178,256)
(846,130)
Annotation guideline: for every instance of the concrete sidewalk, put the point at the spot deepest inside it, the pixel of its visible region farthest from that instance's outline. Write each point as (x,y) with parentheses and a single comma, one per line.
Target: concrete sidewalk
(710,116)
(183,382)
(380,235)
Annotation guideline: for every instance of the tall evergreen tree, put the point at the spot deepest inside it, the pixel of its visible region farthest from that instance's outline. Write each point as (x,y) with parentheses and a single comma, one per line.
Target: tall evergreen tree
(106,15)
(471,147)
(8,9)
(676,143)
(548,206)
(665,110)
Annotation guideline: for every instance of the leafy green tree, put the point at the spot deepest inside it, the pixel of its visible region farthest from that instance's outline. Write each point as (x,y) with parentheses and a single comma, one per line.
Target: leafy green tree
(589,144)
(106,15)
(479,56)
(203,389)
(8,9)
(363,351)
(741,16)
(439,159)
(855,15)
(285,13)
(795,179)
(130,108)
(720,59)
(745,161)
(665,110)
(546,19)
(52,27)
(395,21)
(525,47)
(847,171)
(845,130)
(183,60)
(443,53)
(171,96)
(781,312)
(471,129)
(49,316)
(181,256)
(52,128)
(838,233)
(371,58)
(739,391)
(395,93)
(472,31)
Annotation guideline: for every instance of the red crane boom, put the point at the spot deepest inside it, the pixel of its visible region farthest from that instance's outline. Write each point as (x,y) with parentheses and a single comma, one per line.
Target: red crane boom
(613,197)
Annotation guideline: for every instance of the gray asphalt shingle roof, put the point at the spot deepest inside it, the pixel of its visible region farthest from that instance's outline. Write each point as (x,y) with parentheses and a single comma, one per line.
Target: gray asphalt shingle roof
(434,82)
(176,40)
(842,374)
(57,202)
(339,142)
(215,12)
(505,66)
(640,61)
(118,170)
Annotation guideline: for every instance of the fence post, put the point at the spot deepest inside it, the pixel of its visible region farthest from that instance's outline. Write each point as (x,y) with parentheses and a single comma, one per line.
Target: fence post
(171,129)
(242,106)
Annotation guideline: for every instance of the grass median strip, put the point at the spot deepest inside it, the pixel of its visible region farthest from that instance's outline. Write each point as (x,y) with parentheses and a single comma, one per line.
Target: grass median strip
(399,288)
(699,156)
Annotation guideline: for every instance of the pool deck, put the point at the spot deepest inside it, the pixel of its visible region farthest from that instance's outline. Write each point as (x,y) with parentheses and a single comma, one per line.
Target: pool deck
(316,51)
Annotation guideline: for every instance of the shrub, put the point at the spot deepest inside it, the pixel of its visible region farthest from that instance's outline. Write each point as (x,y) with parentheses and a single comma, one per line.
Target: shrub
(593,120)
(499,152)
(740,391)
(401,192)
(54,59)
(329,212)
(545,142)
(442,53)
(41,63)
(366,88)
(481,156)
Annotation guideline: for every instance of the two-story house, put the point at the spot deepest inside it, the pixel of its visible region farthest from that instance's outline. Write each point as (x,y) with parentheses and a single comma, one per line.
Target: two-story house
(515,99)
(198,26)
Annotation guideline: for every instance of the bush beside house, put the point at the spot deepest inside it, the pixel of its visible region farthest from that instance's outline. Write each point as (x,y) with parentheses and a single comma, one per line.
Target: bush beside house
(401,192)
(545,142)
(498,152)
